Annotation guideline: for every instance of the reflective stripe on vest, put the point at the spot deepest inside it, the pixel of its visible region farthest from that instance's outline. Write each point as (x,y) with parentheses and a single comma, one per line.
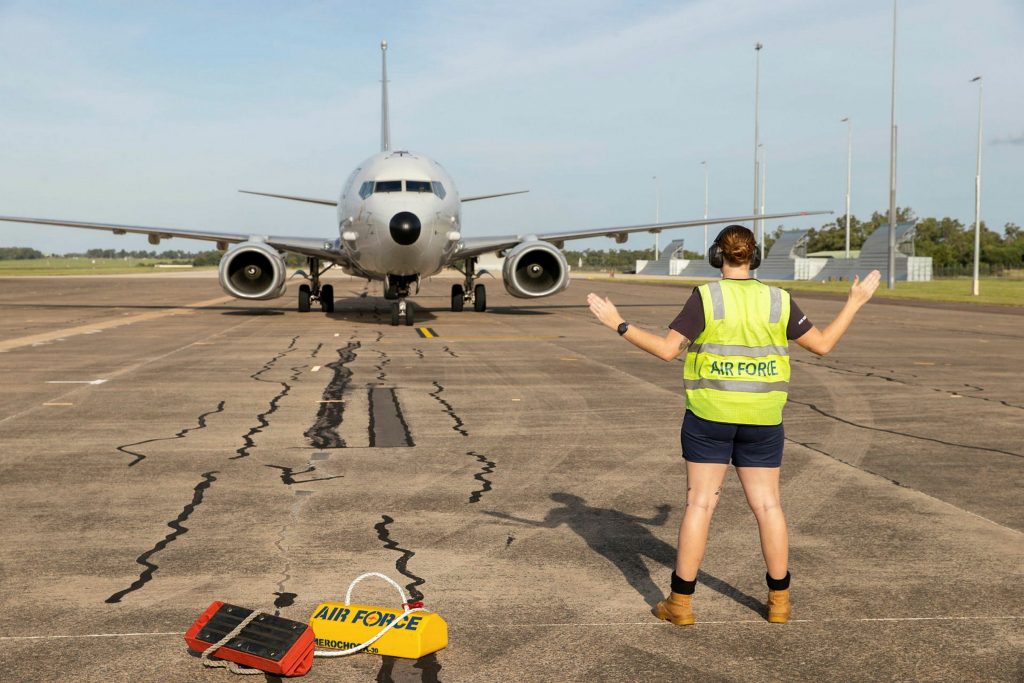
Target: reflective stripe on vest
(737,370)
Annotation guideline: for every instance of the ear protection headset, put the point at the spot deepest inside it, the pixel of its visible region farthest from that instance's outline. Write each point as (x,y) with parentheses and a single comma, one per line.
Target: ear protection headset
(717,259)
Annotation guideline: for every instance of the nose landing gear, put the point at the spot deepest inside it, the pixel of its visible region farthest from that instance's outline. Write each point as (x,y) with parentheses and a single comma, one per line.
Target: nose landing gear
(468,291)
(397,287)
(314,291)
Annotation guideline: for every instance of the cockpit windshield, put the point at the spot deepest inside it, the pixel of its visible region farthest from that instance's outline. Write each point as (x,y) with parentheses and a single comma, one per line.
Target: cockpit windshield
(388,186)
(419,186)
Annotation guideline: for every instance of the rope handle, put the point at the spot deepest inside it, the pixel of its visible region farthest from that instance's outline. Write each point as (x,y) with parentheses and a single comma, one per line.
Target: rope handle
(227,664)
(409,605)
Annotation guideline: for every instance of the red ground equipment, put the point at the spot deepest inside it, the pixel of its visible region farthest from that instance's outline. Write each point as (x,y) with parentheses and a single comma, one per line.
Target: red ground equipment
(273,644)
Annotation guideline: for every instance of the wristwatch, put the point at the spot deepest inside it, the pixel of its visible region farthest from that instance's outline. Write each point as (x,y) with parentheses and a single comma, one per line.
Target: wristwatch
(621,329)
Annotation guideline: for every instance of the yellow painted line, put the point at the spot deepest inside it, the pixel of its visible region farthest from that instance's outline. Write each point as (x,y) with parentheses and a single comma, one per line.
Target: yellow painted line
(568,358)
(426,332)
(502,338)
(918,362)
(58,404)
(92,328)
(315,368)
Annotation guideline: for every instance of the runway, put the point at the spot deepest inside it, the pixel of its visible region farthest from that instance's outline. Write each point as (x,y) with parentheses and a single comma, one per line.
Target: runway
(165,446)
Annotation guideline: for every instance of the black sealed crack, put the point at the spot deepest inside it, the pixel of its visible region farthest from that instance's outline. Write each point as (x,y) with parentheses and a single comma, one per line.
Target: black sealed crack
(810,445)
(894,380)
(288,475)
(379,367)
(177,529)
(909,436)
(488,468)
(449,352)
(324,432)
(401,563)
(436,395)
(419,352)
(316,350)
(261,418)
(201,423)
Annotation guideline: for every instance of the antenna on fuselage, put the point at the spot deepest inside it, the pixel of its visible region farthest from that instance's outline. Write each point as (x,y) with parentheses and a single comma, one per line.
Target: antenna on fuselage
(385,123)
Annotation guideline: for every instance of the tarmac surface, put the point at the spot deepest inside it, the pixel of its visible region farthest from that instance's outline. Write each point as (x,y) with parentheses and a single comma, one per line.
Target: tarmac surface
(519,469)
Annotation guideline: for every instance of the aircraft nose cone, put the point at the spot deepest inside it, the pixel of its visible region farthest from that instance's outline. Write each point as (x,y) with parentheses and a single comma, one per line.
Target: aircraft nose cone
(405,228)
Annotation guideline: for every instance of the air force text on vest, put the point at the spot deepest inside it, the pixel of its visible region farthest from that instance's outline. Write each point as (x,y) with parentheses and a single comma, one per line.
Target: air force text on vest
(367,618)
(728,368)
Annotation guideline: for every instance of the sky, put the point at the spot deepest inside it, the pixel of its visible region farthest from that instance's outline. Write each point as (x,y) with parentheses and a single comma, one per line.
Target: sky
(155,113)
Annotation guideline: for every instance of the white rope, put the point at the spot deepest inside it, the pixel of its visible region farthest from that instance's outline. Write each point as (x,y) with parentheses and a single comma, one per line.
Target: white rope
(229,665)
(371,641)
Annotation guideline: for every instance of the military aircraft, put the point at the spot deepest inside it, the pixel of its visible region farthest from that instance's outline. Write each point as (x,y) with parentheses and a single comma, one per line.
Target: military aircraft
(398,221)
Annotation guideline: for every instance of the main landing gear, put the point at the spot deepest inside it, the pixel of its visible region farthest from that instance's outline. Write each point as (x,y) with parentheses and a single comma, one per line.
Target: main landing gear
(396,288)
(314,291)
(468,291)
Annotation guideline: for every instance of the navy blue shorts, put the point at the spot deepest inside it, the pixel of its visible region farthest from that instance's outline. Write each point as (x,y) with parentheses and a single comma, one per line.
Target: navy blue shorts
(721,442)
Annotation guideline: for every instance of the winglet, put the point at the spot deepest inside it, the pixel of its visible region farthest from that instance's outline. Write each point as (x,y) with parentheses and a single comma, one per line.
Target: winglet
(385,122)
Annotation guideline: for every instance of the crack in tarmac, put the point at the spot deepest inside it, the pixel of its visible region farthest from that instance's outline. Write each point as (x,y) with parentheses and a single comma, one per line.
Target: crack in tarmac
(875,375)
(178,528)
(488,468)
(201,423)
(261,418)
(324,432)
(401,563)
(436,395)
(899,433)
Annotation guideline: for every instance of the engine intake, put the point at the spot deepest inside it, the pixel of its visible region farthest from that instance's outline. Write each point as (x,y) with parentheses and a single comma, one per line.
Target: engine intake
(535,269)
(253,270)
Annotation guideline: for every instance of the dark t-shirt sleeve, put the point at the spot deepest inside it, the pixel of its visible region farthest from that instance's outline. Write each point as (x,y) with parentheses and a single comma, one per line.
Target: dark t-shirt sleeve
(690,321)
(799,324)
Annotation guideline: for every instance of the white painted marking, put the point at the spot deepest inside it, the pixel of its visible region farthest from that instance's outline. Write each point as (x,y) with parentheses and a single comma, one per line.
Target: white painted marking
(337,334)
(517,399)
(76,381)
(93,635)
(754,621)
(316,368)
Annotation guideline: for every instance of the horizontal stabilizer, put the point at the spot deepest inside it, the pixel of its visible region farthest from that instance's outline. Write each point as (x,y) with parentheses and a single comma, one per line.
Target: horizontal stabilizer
(491,196)
(311,200)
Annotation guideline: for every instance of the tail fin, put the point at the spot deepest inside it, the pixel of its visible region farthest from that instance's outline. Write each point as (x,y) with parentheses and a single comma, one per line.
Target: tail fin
(385,122)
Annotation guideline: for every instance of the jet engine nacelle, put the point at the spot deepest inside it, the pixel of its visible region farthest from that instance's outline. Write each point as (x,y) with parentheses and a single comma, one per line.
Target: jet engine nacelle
(253,270)
(534,269)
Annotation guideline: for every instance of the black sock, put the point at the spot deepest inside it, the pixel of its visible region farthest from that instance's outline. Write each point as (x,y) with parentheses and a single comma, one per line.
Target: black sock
(777,584)
(681,586)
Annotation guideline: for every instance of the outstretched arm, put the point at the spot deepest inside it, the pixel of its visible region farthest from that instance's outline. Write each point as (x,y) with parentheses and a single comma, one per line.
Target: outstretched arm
(822,341)
(656,520)
(520,520)
(666,348)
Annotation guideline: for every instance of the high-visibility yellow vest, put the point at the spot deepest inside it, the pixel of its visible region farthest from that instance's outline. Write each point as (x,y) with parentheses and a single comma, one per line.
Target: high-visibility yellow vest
(737,369)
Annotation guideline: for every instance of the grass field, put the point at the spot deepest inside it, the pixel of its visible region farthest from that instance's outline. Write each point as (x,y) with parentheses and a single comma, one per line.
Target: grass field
(1002,291)
(64,265)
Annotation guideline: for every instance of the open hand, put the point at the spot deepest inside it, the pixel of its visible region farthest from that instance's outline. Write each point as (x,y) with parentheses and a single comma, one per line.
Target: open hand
(861,290)
(604,310)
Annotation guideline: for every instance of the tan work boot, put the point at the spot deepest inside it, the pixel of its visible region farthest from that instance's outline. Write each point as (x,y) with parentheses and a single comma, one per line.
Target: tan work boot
(675,608)
(779,608)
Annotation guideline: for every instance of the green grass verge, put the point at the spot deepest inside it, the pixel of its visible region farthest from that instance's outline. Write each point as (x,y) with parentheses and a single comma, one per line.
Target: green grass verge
(63,265)
(1002,291)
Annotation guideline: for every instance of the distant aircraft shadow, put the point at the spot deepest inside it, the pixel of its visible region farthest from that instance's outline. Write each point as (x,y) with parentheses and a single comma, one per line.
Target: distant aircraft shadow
(624,539)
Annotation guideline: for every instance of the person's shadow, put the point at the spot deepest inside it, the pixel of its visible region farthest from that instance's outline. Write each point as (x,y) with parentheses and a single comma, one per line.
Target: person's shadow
(624,539)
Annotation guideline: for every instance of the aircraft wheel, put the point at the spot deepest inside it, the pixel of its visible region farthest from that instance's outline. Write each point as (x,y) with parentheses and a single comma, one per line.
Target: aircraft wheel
(394,313)
(327,298)
(409,317)
(304,294)
(458,298)
(479,298)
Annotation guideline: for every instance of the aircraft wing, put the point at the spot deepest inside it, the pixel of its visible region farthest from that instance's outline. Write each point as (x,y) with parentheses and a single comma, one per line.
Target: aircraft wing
(475,246)
(308,246)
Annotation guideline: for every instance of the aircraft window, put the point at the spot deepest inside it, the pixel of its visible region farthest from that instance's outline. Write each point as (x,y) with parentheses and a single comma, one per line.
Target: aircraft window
(388,186)
(418,186)
(438,189)
(366,189)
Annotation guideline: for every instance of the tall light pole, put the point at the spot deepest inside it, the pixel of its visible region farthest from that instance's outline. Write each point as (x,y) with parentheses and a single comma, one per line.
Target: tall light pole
(705,165)
(657,212)
(892,161)
(764,184)
(975,289)
(757,129)
(849,176)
